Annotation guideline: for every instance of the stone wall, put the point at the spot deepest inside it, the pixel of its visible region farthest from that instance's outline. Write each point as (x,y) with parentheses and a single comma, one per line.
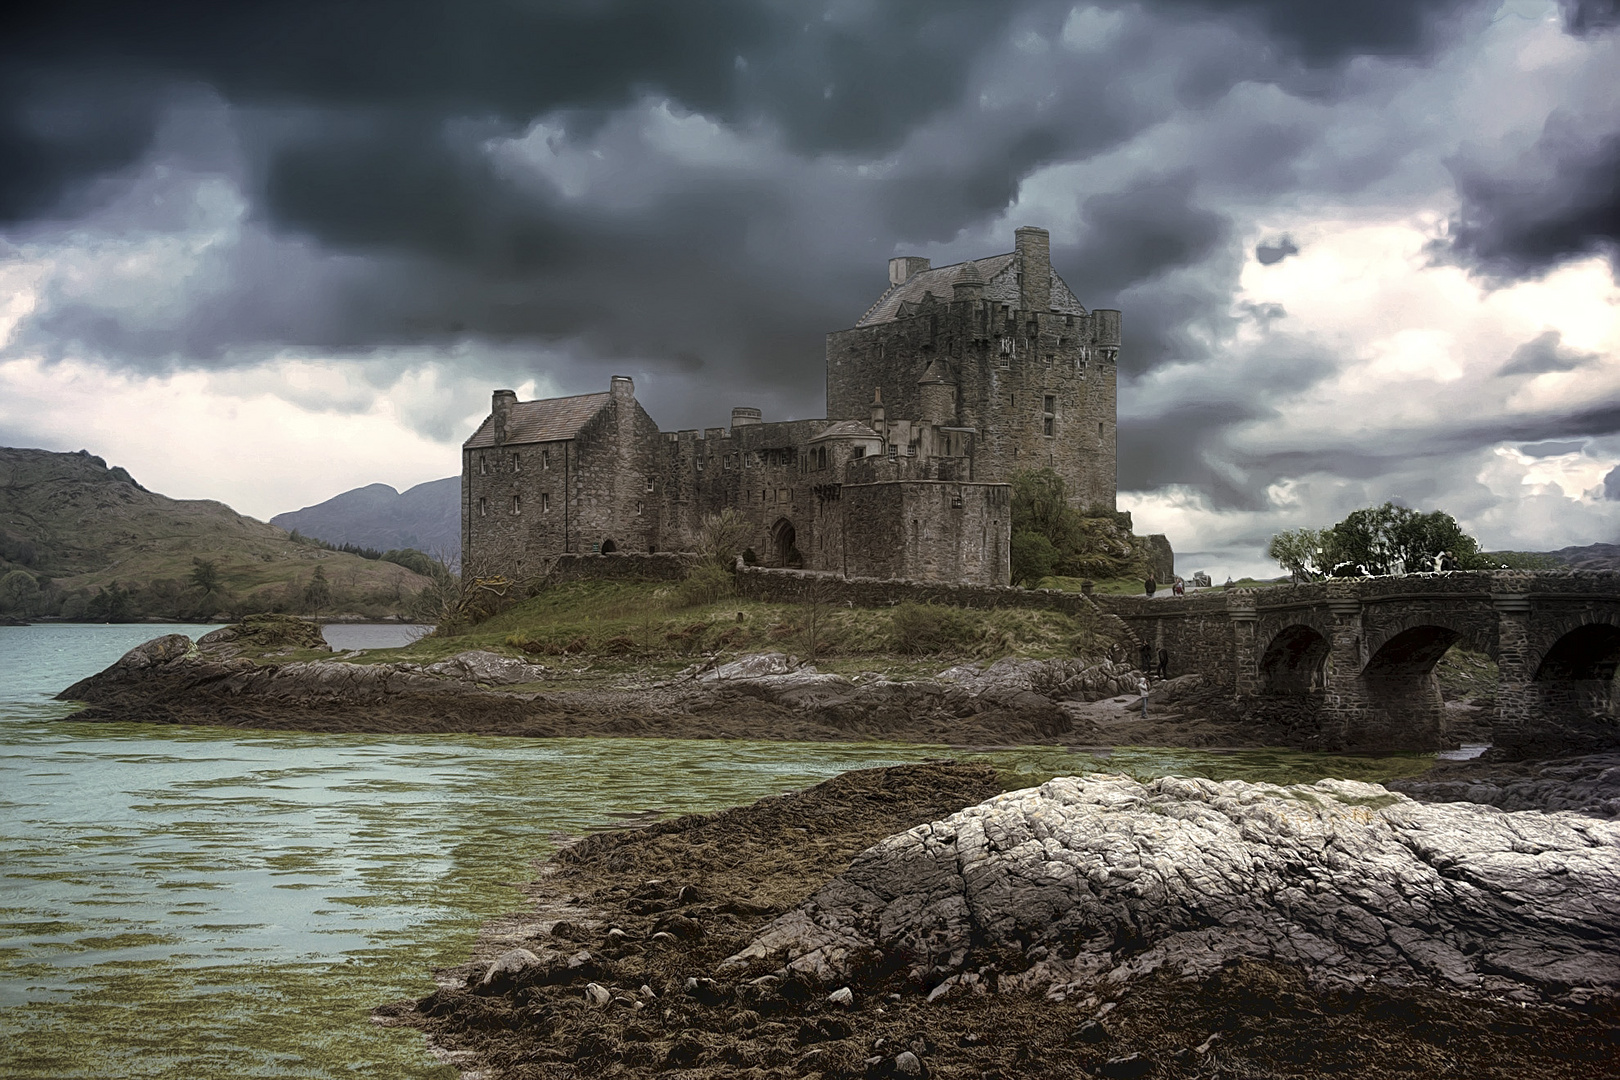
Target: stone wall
(797,586)
(635,566)
(928,531)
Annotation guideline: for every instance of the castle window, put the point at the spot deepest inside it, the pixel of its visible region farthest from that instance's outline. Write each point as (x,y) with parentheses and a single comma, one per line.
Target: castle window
(1099,429)
(1049,417)
(515,466)
(545,458)
(483,465)
(483,508)
(545,502)
(640,508)
(860,451)
(652,485)
(517,504)
(894,451)
(1068,320)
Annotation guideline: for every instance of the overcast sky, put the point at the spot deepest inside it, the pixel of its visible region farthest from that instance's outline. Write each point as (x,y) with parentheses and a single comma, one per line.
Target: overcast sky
(1364,250)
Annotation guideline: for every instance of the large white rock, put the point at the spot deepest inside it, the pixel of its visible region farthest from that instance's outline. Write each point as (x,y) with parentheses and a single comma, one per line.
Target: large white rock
(1102,878)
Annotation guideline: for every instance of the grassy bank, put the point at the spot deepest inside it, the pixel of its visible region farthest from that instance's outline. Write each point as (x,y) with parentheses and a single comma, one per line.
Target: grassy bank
(660,625)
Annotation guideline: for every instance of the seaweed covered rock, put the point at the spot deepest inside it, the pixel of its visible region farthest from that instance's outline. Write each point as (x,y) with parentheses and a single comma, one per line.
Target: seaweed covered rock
(1105,879)
(263,633)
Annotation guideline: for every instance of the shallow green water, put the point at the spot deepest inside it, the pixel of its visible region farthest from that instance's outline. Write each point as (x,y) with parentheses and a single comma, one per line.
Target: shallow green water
(186,902)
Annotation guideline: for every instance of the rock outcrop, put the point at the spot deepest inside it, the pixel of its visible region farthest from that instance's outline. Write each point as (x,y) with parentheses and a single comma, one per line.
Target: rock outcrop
(1588,784)
(1100,879)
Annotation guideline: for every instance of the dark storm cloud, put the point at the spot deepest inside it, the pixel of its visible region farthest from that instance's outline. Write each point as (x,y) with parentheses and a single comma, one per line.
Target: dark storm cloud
(1543,353)
(1328,33)
(1582,17)
(1560,200)
(1611,484)
(1275,251)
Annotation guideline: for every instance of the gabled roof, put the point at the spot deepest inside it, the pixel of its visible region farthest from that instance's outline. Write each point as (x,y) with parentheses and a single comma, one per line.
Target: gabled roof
(847,429)
(999,274)
(541,421)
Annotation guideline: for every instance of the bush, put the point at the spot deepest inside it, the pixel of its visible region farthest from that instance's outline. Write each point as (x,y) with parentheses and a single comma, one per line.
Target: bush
(925,629)
(1033,557)
(707,583)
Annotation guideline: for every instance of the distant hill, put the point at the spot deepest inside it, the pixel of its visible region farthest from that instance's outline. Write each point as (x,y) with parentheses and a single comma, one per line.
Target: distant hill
(427,517)
(82,540)
(1590,557)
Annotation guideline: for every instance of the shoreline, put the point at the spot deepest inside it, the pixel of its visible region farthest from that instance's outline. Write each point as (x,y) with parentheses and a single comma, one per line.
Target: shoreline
(623,970)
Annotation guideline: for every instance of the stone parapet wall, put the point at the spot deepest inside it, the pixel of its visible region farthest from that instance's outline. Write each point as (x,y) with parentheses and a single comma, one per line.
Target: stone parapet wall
(630,566)
(799,586)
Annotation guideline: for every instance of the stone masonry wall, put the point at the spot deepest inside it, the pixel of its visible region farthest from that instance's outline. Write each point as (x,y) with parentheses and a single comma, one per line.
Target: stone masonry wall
(1007,364)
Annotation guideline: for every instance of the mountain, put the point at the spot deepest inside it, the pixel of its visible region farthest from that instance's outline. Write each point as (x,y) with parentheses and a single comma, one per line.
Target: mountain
(427,517)
(73,530)
(1590,557)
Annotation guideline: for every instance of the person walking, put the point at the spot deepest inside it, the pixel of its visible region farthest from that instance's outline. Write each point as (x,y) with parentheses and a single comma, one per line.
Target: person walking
(1150,585)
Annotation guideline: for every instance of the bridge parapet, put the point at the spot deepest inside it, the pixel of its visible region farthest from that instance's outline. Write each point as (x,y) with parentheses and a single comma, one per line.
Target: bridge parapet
(1360,652)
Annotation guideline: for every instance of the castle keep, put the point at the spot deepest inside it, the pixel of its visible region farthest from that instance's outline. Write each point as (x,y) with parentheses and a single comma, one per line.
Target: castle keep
(955,379)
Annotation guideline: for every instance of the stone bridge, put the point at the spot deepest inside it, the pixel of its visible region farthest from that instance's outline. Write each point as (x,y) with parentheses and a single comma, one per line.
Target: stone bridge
(1360,653)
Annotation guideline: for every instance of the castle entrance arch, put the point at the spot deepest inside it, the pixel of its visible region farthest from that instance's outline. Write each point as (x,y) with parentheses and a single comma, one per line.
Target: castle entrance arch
(609,547)
(1294,661)
(784,542)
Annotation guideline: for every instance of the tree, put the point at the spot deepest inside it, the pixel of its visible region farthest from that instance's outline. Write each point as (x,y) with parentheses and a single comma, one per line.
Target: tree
(1377,540)
(722,536)
(18,590)
(1033,557)
(318,593)
(1299,551)
(205,575)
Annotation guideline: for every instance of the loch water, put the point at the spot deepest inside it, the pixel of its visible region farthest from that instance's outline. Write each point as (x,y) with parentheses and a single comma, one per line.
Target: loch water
(191,901)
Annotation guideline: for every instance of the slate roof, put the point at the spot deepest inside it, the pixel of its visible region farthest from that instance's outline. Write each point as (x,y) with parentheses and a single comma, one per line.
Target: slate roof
(1000,275)
(541,421)
(847,429)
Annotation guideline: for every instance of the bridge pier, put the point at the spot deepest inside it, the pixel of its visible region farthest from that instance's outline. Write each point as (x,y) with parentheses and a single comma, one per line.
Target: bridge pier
(1513,670)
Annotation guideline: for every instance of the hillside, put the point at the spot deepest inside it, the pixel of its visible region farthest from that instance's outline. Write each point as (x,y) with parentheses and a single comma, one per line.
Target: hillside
(426,517)
(1590,557)
(85,536)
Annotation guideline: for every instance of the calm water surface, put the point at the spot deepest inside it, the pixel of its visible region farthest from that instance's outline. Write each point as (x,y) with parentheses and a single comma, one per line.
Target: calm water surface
(188,902)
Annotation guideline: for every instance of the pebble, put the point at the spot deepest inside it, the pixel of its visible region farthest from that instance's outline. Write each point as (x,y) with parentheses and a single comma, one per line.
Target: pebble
(842,996)
(908,1064)
(597,994)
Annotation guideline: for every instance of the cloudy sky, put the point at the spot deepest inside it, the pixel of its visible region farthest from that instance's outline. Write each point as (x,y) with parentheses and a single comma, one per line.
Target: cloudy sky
(1365,250)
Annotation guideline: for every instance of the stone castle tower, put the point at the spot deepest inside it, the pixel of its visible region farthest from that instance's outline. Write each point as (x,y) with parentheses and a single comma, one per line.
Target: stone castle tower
(998,349)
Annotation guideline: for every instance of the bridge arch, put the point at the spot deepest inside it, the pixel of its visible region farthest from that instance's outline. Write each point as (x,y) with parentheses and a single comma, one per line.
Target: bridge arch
(1294,661)
(1398,642)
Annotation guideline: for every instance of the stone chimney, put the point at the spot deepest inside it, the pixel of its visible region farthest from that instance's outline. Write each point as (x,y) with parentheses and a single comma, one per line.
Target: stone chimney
(1034,269)
(902,268)
(743,416)
(500,407)
(877,412)
(622,388)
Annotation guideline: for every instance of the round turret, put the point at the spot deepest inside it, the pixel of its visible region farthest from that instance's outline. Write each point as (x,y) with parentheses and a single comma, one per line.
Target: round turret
(969,283)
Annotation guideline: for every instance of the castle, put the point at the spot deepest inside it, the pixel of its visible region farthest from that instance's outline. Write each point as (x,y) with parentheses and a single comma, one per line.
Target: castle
(955,379)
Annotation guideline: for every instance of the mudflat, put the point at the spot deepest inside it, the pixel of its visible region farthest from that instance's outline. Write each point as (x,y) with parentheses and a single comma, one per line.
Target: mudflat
(658,952)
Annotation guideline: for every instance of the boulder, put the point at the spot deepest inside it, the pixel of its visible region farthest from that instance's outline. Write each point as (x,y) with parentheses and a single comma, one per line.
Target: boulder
(1101,878)
(265,632)
(481,666)
(156,653)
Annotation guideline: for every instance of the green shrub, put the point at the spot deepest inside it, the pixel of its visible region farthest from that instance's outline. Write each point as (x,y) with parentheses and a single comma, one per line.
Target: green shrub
(925,629)
(708,583)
